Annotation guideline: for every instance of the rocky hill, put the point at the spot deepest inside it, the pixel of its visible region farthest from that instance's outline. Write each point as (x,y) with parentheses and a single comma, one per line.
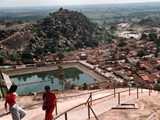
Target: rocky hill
(64,29)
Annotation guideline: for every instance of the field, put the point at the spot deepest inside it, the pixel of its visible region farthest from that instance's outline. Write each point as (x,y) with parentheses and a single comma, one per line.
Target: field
(102,14)
(141,17)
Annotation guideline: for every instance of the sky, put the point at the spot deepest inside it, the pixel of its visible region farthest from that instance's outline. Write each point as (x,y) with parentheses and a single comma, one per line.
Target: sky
(26,3)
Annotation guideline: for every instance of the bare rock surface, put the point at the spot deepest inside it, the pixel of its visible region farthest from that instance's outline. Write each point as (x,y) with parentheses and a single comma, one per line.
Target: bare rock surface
(148,109)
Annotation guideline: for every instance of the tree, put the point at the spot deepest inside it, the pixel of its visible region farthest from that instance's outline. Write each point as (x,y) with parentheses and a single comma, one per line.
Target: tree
(138,65)
(1,60)
(114,53)
(61,75)
(143,36)
(39,51)
(95,42)
(109,40)
(60,68)
(78,77)
(71,48)
(84,86)
(88,43)
(157,86)
(79,44)
(122,44)
(152,36)
(26,57)
(9,23)
(47,21)
(158,67)
(14,56)
(158,47)
(158,42)
(113,27)
(140,53)
(60,55)
(50,47)
(20,22)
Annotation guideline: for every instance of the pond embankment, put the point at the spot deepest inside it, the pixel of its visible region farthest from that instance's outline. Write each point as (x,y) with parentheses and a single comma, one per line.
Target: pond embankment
(91,72)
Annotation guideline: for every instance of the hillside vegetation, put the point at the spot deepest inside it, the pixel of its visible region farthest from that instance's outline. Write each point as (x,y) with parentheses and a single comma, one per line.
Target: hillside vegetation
(63,30)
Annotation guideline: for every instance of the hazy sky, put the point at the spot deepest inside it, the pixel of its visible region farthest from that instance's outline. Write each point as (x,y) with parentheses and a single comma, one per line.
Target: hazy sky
(9,3)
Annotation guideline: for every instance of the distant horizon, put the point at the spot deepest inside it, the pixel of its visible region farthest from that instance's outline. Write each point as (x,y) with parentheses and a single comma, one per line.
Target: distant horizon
(20,5)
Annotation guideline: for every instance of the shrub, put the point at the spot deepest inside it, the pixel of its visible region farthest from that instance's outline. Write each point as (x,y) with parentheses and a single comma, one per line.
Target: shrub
(157,87)
(95,87)
(84,86)
(125,84)
(73,86)
(133,84)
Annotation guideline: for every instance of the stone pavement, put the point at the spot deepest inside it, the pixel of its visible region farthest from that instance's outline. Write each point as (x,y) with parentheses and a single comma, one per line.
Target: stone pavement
(103,105)
(100,106)
(147,109)
(35,111)
(71,102)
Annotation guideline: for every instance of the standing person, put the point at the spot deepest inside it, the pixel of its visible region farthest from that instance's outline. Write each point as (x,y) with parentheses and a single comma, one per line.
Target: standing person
(17,112)
(50,99)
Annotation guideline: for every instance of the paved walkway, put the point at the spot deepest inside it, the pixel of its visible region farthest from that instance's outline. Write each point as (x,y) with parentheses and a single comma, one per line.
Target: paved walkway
(103,105)
(100,106)
(36,113)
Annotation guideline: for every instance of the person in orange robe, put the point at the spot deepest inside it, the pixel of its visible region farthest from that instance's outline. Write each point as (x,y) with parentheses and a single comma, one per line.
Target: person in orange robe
(50,98)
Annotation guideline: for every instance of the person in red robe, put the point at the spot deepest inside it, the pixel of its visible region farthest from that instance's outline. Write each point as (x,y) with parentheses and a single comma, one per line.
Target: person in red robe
(50,100)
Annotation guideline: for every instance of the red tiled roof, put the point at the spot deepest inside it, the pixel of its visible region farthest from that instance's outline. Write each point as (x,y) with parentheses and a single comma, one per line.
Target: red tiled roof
(138,79)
